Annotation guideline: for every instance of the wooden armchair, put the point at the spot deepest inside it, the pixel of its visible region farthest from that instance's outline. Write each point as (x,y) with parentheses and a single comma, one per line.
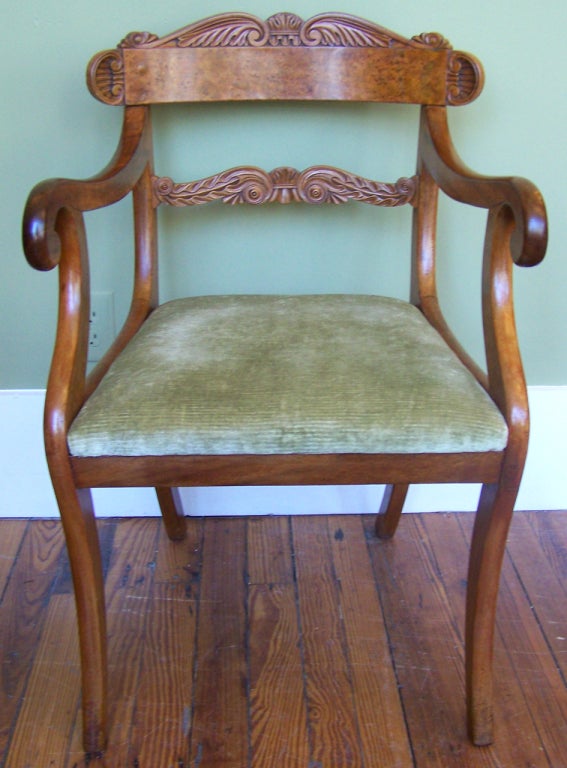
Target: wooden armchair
(280,389)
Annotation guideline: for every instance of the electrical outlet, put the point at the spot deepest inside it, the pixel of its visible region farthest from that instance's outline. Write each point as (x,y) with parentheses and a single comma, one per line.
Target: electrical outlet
(101,324)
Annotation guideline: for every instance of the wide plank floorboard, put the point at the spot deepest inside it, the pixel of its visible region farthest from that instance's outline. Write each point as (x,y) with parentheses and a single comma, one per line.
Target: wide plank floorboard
(278,642)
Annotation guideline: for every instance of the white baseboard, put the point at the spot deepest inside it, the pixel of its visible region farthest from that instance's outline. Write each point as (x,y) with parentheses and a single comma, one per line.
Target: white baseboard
(25,488)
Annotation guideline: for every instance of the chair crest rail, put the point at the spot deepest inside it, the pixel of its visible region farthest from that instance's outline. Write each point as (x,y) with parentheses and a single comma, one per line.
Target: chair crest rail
(315,185)
(109,70)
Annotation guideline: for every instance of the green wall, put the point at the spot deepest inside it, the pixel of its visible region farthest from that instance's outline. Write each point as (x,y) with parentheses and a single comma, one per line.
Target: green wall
(51,126)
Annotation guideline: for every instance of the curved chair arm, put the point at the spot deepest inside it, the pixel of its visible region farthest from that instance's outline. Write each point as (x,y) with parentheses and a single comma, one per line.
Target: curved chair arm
(529,239)
(41,241)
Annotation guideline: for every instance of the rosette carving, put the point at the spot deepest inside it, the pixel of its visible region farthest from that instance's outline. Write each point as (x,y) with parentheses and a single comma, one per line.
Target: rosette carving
(315,185)
(105,77)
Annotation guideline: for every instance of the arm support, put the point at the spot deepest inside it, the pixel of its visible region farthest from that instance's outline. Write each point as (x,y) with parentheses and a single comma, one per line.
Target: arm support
(529,238)
(42,244)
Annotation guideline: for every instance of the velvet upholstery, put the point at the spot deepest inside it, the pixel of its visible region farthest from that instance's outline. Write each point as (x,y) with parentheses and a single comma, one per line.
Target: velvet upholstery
(287,374)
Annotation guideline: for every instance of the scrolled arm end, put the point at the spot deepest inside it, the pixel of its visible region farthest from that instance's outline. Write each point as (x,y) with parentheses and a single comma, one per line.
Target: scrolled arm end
(529,239)
(523,199)
(41,243)
(47,199)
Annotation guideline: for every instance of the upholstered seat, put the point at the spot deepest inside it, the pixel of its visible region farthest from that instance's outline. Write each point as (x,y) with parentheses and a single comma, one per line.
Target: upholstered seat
(287,374)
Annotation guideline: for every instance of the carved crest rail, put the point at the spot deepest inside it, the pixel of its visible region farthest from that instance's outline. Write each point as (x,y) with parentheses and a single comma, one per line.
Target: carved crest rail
(316,185)
(119,76)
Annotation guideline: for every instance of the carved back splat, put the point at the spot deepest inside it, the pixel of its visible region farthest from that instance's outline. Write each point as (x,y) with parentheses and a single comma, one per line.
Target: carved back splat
(315,185)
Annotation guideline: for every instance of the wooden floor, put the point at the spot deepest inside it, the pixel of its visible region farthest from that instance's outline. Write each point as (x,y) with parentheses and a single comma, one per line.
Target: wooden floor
(275,643)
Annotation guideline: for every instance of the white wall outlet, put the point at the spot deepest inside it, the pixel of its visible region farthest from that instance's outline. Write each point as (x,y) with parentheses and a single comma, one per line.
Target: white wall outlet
(101,324)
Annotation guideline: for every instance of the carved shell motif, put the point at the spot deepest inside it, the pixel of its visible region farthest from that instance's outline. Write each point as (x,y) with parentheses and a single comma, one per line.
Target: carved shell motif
(315,185)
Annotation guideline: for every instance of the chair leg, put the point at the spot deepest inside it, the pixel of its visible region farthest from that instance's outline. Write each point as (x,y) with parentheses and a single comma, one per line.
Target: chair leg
(172,512)
(487,552)
(81,537)
(390,512)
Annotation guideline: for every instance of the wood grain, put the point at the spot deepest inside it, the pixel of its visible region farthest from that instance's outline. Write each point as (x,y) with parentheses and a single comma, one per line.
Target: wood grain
(287,469)
(447,551)
(269,551)
(23,615)
(333,727)
(11,541)
(543,533)
(128,593)
(51,704)
(330,74)
(219,734)
(304,682)
(162,718)
(278,717)
(383,734)
(538,679)
(426,642)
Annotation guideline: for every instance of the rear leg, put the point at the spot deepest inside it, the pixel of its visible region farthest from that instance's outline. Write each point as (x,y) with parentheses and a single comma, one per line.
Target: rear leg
(172,512)
(390,510)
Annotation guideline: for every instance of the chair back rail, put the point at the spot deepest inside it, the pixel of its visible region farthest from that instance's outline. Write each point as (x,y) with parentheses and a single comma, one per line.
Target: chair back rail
(239,57)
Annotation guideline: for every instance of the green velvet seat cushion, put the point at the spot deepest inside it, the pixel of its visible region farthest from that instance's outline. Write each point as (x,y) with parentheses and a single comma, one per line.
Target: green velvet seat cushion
(287,374)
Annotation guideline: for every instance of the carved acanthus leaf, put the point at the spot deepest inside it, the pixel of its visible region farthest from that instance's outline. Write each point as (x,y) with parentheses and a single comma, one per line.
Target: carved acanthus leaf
(331,185)
(221,31)
(226,30)
(315,185)
(343,30)
(282,29)
(237,185)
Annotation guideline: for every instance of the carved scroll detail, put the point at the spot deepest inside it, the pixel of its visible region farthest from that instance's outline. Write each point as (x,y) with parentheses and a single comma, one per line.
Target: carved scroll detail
(105,77)
(432,40)
(464,78)
(315,185)
(138,40)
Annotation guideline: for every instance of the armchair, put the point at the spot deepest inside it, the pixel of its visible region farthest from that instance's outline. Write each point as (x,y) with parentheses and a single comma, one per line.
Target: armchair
(282,389)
